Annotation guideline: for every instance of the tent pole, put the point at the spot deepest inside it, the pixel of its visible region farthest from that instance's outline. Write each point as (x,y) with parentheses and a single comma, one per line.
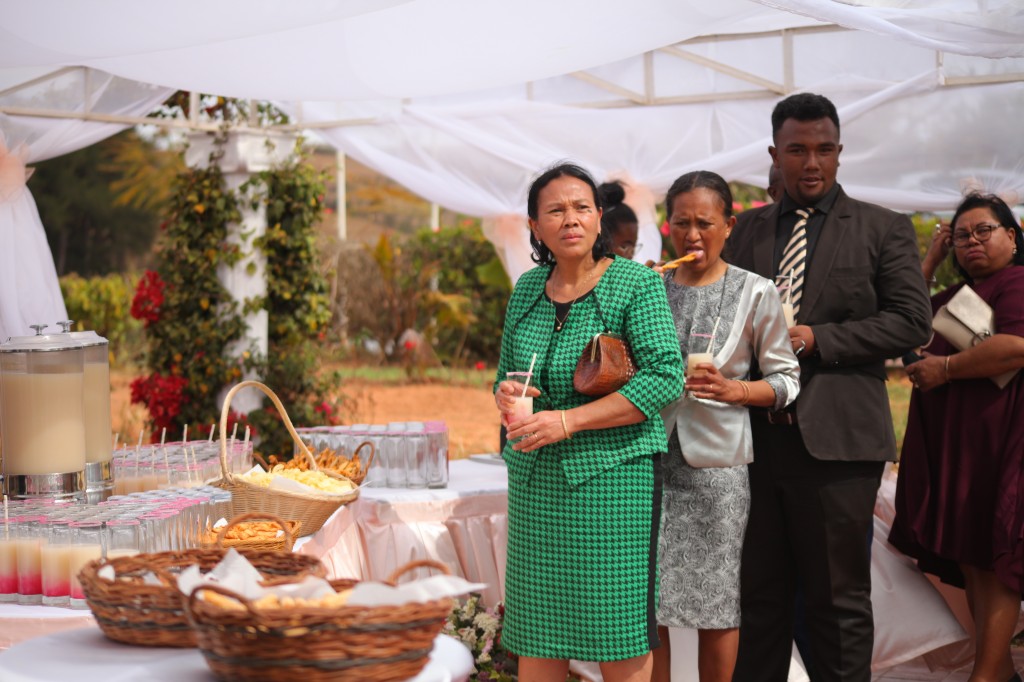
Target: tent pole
(342,192)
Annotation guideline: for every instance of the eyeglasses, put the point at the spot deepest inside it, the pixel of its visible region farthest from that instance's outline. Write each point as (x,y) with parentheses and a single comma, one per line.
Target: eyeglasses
(981,233)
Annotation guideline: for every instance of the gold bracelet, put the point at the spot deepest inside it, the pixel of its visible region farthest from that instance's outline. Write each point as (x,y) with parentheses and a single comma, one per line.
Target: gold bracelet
(746,392)
(945,366)
(565,429)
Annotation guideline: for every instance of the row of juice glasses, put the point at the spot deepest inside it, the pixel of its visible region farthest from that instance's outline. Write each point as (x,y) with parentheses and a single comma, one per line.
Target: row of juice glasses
(408,454)
(176,465)
(43,545)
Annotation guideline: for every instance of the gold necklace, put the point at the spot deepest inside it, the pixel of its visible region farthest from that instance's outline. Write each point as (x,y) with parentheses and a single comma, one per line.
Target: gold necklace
(579,292)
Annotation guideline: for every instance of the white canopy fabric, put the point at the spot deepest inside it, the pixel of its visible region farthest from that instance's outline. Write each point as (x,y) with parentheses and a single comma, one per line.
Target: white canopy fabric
(464,101)
(29,290)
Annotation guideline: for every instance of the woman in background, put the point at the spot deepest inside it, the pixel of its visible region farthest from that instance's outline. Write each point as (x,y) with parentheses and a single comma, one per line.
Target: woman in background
(618,221)
(737,317)
(960,490)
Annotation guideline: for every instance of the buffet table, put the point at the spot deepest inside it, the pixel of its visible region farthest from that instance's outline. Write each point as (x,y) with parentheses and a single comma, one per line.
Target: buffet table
(85,655)
(464,526)
(18,623)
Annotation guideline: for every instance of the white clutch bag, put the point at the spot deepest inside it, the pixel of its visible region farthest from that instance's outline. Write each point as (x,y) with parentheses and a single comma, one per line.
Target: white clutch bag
(965,321)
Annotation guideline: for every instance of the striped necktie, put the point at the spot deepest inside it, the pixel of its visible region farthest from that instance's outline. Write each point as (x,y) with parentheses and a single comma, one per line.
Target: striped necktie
(794,258)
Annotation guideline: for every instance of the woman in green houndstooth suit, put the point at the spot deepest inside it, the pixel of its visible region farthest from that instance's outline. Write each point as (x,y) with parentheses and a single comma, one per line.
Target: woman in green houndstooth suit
(584,473)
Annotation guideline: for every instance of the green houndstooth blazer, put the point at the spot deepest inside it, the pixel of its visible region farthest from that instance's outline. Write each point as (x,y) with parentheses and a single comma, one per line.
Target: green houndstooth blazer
(628,300)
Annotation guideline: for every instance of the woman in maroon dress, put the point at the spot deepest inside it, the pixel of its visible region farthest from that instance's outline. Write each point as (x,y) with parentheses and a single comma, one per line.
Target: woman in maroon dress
(960,493)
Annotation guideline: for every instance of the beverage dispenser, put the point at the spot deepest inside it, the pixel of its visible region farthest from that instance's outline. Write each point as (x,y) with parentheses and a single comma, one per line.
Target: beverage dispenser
(42,420)
(99,472)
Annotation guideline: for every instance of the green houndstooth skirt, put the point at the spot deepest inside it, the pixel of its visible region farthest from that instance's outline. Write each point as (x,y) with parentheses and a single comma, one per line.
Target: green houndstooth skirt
(580,579)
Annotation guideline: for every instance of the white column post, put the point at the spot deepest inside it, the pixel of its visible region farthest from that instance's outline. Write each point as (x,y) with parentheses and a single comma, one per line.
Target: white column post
(244,154)
(342,197)
(435,218)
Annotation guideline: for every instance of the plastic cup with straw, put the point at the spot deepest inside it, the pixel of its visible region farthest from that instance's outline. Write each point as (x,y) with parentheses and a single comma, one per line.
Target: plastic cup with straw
(522,406)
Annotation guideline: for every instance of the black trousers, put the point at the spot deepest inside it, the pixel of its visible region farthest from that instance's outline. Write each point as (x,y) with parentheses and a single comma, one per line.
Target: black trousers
(808,521)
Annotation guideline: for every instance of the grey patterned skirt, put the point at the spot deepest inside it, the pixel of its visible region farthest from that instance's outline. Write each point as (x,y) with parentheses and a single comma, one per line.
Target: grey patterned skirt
(703,520)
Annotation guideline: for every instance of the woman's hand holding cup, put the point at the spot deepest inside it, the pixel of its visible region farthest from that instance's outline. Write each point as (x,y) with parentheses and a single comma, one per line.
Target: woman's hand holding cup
(706,382)
(511,402)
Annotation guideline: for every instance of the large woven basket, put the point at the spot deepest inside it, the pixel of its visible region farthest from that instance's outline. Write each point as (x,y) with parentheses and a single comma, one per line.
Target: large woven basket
(218,539)
(311,509)
(350,644)
(129,611)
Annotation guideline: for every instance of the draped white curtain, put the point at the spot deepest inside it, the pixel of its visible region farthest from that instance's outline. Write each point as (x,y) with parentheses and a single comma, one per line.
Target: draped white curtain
(464,102)
(908,146)
(29,290)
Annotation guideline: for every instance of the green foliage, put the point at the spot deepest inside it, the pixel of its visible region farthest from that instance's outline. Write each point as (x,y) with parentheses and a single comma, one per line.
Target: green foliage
(449,287)
(101,304)
(193,325)
(924,225)
(89,232)
(466,265)
(297,302)
(197,319)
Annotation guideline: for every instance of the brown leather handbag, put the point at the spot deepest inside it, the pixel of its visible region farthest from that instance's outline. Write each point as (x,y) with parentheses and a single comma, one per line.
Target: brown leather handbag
(605,366)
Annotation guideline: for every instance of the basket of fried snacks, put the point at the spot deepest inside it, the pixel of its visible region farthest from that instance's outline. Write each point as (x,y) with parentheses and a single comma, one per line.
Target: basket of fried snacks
(136,600)
(254,530)
(353,468)
(309,497)
(328,638)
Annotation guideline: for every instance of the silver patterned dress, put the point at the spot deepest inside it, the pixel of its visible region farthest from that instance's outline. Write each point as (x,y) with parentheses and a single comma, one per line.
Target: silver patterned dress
(705,509)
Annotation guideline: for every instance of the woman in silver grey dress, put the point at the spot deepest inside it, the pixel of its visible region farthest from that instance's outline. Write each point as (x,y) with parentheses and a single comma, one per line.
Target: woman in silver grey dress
(737,317)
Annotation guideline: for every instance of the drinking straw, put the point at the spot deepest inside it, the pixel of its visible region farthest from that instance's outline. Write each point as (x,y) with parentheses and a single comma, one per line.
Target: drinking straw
(711,341)
(184,436)
(116,437)
(213,427)
(245,446)
(789,289)
(7,532)
(163,436)
(529,373)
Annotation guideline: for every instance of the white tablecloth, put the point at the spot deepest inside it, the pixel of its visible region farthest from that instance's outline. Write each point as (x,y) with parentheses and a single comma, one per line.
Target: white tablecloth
(85,655)
(18,623)
(464,526)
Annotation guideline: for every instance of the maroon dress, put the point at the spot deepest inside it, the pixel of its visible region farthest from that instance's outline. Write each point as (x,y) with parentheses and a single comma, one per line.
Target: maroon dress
(960,492)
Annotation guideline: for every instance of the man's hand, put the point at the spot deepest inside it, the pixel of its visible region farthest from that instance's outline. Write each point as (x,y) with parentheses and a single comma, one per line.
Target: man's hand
(802,338)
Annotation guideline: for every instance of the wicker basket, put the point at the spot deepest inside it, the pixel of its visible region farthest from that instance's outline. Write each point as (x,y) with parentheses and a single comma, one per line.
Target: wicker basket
(218,539)
(350,644)
(311,509)
(153,615)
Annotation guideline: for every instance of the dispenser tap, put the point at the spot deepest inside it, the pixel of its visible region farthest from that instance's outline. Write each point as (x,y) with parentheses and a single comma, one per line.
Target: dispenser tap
(65,325)
(39,328)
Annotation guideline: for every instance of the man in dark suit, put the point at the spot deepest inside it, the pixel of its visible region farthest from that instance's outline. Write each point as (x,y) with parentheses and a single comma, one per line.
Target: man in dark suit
(855,280)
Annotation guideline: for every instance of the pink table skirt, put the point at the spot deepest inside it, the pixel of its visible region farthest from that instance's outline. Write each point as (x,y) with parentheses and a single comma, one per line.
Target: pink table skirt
(464,526)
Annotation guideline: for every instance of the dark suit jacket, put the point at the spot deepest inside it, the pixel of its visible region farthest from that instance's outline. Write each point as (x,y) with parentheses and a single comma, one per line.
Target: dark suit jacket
(866,300)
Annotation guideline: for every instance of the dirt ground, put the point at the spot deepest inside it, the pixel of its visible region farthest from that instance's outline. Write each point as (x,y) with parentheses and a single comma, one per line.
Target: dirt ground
(468,410)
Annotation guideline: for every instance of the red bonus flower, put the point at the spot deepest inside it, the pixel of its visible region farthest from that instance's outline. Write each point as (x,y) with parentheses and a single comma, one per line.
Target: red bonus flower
(161,395)
(149,297)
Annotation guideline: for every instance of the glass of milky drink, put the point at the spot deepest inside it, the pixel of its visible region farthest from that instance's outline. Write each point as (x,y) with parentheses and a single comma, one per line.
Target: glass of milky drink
(86,545)
(523,405)
(694,359)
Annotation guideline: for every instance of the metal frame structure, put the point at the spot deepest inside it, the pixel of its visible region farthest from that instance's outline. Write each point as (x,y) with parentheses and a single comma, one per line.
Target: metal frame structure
(625,97)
